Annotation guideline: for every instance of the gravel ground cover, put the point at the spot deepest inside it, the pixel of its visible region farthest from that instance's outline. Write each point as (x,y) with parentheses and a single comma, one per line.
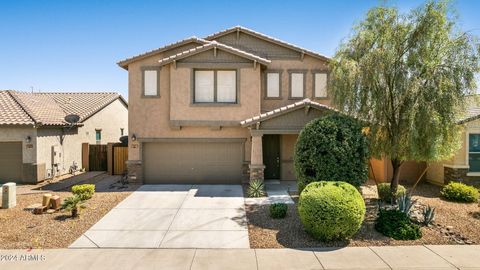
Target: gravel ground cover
(452,219)
(21,229)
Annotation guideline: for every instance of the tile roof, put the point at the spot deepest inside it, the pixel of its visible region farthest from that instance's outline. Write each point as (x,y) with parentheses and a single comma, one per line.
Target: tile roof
(11,113)
(268,38)
(23,108)
(473,110)
(285,109)
(211,45)
(124,63)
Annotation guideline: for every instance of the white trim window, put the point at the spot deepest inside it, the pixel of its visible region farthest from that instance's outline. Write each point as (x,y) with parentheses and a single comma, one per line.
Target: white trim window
(215,86)
(150,82)
(273,85)
(320,83)
(297,86)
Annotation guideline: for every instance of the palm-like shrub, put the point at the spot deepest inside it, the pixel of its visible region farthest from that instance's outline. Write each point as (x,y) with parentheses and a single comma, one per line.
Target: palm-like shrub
(73,204)
(331,148)
(331,210)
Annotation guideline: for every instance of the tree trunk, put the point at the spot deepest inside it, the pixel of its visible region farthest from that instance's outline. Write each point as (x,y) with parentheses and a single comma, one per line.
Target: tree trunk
(396,164)
(75,212)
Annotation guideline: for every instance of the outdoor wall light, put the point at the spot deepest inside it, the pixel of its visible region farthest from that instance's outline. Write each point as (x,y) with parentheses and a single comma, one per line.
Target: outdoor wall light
(28,139)
(134,137)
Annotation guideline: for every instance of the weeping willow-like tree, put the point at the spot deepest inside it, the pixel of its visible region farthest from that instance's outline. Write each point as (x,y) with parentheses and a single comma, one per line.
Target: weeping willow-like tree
(407,75)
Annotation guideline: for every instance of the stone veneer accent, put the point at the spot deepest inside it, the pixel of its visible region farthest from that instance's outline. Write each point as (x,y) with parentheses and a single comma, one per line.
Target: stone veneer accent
(135,170)
(256,172)
(460,175)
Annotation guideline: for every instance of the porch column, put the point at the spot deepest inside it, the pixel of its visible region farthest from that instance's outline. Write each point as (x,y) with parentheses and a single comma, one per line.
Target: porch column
(256,163)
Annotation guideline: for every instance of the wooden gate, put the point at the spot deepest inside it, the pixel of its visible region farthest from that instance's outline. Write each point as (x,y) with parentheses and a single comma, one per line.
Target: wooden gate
(97,157)
(120,157)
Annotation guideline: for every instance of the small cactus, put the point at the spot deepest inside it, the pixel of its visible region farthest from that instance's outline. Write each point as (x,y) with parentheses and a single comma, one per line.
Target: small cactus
(428,215)
(256,189)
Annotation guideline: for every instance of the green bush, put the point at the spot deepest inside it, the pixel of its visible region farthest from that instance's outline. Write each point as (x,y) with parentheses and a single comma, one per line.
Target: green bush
(397,225)
(278,210)
(460,192)
(331,148)
(84,192)
(384,193)
(331,210)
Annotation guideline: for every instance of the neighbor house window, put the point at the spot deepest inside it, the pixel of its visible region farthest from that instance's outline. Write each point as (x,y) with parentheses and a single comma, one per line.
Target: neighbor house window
(320,85)
(273,84)
(151,82)
(215,86)
(297,84)
(474,152)
(98,135)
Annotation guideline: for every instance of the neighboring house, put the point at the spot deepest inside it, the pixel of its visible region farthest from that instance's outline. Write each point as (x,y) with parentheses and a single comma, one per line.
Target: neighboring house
(465,164)
(36,142)
(221,109)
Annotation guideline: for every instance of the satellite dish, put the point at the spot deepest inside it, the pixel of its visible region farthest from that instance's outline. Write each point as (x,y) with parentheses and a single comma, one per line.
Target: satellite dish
(72,119)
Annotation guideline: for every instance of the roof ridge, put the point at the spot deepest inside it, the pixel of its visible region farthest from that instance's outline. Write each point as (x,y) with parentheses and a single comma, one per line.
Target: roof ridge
(22,105)
(265,36)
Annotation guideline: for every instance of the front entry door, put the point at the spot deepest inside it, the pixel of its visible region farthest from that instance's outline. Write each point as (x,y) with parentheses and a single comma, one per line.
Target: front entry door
(271,156)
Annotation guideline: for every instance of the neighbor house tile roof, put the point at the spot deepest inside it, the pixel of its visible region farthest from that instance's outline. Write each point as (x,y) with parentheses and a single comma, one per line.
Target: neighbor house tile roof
(11,113)
(285,109)
(211,45)
(22,108)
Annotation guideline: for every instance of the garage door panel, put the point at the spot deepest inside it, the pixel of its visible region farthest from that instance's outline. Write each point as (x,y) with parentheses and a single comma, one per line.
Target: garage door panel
(193,162)
(10,162)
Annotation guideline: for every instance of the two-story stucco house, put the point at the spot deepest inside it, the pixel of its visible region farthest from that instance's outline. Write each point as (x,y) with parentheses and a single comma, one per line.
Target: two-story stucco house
(36,141)
(221,109)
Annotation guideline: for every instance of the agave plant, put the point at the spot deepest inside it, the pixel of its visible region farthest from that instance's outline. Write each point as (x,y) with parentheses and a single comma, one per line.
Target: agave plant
(428,215)
(405,203)
(256,189)
(73,204)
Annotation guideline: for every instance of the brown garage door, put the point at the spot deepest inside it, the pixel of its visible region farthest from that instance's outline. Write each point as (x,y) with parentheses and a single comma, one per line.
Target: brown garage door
(10,162)
(193,162)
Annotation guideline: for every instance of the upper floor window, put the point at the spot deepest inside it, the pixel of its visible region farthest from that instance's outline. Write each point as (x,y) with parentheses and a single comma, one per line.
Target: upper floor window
(151,81)
(215,86)
(297,84)
(320,85)
(273,85)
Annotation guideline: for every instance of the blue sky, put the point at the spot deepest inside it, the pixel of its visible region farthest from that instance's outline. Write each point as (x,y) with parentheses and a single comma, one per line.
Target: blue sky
(74,45)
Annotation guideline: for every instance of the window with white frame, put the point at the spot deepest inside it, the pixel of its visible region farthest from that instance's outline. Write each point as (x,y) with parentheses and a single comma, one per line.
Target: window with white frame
(273,84)
(320,85)
(297,85)
(215,86)
(150,82)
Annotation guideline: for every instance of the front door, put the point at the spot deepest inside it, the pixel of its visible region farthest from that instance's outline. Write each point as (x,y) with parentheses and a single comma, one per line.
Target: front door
(271,156)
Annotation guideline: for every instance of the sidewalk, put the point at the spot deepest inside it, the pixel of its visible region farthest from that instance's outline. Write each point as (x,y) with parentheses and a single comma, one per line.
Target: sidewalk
(400,257)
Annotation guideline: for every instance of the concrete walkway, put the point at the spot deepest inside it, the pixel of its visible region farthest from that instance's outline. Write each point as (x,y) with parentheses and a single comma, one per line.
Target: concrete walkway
(173,216)
(401,257)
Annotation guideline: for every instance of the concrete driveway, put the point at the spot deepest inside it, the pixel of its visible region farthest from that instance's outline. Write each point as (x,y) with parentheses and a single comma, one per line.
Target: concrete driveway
(173,216)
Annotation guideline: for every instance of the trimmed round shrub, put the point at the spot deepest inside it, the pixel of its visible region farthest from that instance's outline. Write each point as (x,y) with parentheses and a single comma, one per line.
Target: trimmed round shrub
(384,193)
(331,148)
(331,210)
(278,210)
(397,225)
(460,192)
(84,192)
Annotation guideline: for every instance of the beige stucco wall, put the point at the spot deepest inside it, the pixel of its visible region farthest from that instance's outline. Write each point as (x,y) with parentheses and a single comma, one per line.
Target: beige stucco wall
(110,119)
(19,134)
(308,64)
